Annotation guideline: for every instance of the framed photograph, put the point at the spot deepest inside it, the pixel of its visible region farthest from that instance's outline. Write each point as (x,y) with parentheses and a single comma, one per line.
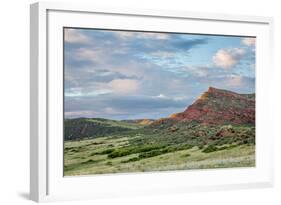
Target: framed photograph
(130,102)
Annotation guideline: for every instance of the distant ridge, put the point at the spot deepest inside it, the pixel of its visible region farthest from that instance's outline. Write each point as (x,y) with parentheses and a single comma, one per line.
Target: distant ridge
(140,121)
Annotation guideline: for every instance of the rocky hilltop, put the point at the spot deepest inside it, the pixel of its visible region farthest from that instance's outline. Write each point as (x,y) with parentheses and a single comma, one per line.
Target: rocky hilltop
(217,106)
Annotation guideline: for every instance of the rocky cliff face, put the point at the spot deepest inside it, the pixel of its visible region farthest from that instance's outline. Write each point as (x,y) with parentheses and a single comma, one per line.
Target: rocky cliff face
(217,106)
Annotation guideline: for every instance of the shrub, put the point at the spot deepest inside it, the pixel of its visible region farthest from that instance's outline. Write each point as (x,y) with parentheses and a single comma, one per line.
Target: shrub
(186,155)
(152,153)
(88,161)
(108,163)
(133,150)
(131,160)
(201,146)
(119,153)
(223,147)
(232,146)
(107,151)
(210,148)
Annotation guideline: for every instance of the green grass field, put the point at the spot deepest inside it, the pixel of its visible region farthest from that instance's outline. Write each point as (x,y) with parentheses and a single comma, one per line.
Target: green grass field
(140,150)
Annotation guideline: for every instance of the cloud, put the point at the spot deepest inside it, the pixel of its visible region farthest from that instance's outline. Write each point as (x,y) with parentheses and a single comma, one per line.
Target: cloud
(140,35)
(249,41)
(228,58)
(75,36)
(79,93)
(113,111)
(163,54)
(187,44)
(124,86)
(89,54)
(174,99)
(83,113)
(140,48)
(123,107)
(236,81)
(198,71)
(233,82)
(160,96)
(240,84)
(130,75)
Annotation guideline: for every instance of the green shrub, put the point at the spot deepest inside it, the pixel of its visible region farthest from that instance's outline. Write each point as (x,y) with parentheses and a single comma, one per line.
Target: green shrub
(89,161)
(186,155)
(201,146)
(108,163)
(223,147)
(107,151)
(93,154)
(152,153)
(119,153)
(210,148)
(131,160)
(232,146)
(133,150)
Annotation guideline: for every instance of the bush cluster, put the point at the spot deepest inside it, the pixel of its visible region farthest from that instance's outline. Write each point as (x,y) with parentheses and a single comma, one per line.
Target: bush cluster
(133,150)
(213,148)
(156,152)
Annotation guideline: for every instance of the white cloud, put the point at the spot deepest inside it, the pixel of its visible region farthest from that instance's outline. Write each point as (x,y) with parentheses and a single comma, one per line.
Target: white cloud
(103,57)
(235,81)
(153,35)
(174,98)
(90,54)
(228,58)
(249,41)
(161,96)
(124,86)
(198,71)
(129,70)
(113,111)
(179,98)
(79,93)
(84,113)
(75,36)
(163,54)
(141,35)
(238,81)
(87,54)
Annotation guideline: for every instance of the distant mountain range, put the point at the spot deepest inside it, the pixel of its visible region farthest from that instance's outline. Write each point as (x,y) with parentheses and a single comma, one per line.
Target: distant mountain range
(213,107)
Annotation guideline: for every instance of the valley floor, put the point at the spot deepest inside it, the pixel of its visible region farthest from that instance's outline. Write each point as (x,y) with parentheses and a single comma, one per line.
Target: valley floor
(95,156)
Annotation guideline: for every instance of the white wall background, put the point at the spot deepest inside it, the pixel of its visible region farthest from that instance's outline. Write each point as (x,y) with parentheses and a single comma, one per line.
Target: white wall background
(14,101)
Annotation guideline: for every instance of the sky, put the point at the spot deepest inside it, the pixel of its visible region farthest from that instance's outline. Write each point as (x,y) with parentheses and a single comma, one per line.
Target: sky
(148,75)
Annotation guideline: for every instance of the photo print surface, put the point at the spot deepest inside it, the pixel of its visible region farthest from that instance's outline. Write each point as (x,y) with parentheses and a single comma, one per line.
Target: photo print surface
(137,101)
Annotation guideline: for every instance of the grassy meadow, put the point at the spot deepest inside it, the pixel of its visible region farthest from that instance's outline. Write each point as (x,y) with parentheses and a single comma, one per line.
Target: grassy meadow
(162,147)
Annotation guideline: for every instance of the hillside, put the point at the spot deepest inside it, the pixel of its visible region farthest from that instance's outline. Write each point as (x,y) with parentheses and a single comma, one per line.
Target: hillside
(140,121)
(217,106)
(79,128)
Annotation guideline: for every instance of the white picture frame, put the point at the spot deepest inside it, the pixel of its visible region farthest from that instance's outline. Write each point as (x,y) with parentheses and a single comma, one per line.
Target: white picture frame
(46,86)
